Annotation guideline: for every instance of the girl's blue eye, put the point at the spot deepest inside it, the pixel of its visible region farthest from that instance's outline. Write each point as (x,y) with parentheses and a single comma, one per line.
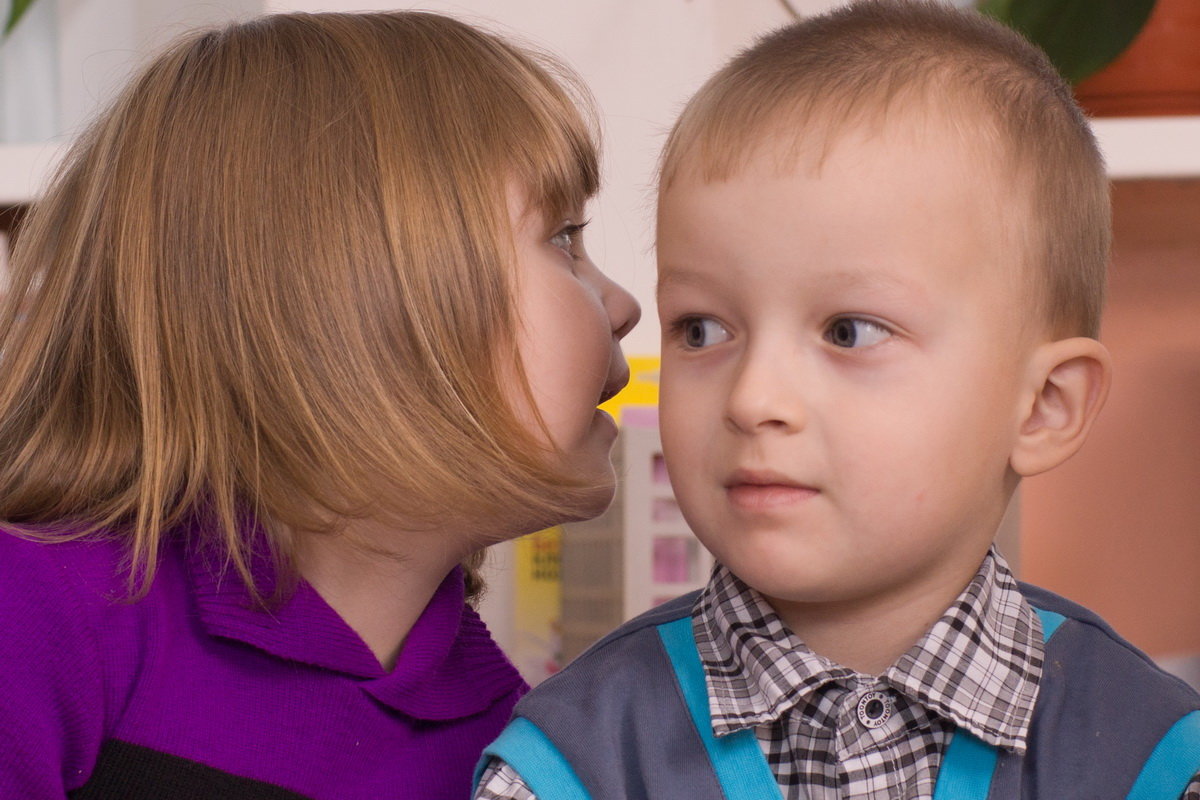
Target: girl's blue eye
(562,240)
(851,332)
(569,239)
(702,332)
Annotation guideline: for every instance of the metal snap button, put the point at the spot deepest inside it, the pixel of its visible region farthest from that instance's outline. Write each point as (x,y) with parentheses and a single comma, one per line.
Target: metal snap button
(874,709)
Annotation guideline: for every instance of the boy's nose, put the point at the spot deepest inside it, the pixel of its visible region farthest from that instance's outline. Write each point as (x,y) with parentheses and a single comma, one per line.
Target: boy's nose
(765,395)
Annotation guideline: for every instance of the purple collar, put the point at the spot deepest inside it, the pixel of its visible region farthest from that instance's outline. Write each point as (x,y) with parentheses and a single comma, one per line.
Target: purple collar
(448,668)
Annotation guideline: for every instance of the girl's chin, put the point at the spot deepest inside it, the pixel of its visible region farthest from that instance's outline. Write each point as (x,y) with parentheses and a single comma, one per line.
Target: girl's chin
(602,484)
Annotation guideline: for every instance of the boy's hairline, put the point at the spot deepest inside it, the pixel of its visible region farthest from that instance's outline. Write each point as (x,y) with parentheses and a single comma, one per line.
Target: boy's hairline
(824,64)
(789,146)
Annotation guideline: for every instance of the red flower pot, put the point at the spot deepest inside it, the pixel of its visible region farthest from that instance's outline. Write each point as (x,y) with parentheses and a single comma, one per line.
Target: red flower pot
(1158,74)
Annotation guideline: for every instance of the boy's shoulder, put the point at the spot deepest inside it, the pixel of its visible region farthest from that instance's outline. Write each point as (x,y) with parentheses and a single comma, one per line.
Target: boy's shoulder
(631,655)
(1046,600)
(645,622)
(1084,643)
(1103,707)
(619,717)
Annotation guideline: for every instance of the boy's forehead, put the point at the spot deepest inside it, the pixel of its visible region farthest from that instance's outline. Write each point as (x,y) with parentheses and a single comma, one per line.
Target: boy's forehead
(801,135)
(899,178)
(965,148)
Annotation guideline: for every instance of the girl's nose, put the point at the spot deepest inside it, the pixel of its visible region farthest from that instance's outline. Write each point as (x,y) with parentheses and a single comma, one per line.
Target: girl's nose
(623,309)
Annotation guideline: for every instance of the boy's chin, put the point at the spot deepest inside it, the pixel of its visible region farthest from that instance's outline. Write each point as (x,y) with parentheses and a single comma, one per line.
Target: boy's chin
(799,581)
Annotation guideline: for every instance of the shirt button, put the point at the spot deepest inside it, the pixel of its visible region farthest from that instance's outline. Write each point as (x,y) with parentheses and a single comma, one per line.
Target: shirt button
(874,709)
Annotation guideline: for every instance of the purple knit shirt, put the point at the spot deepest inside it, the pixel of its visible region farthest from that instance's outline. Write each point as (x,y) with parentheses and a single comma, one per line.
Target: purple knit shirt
(192,693)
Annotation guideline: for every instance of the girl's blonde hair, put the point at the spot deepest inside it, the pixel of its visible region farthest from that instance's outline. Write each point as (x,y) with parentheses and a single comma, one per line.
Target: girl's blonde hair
(272,282)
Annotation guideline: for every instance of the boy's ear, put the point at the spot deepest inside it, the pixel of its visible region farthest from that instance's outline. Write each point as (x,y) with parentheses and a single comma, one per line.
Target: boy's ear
(1069,382)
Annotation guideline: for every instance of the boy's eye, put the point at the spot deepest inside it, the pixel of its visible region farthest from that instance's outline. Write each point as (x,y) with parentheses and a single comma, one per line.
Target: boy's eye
(702,332)
(854,332)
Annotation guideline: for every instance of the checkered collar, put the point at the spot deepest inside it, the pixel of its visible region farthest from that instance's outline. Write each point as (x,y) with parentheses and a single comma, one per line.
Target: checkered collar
(978,666)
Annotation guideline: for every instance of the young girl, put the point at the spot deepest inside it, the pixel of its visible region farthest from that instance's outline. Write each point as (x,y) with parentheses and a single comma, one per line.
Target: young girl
(303,324)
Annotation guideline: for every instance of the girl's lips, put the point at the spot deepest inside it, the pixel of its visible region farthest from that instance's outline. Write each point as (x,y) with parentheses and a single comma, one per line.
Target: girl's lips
(614,386)
(605,419)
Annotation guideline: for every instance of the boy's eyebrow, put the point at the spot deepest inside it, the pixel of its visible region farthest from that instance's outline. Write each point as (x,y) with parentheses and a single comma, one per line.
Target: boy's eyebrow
(884,285)
(683,277)
(869,279)
(837,278)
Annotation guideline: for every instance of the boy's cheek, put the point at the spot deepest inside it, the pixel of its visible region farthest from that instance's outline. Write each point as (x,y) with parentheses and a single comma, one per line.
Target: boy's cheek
(686,398)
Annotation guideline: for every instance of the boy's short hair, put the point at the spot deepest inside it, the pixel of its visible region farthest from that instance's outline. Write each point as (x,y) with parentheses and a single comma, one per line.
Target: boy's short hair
(857,63)
(275,278)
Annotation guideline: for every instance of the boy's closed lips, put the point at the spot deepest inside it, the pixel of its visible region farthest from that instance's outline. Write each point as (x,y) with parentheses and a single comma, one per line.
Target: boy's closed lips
(765,490)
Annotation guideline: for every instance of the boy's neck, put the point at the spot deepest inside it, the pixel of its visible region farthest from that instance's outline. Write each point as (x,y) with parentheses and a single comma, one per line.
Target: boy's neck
(870,634)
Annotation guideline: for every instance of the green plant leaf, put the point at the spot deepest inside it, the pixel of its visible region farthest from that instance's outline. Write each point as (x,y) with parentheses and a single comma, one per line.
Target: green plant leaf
(1081,37)
(15,12)
(996,8)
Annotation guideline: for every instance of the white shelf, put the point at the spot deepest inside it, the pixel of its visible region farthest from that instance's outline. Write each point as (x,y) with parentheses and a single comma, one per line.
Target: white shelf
(25,169)
(1150,147)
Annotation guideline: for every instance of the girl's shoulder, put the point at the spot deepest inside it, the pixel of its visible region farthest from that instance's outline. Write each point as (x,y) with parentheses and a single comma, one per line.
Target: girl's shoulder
(67,636)
(75,594)
(76,569)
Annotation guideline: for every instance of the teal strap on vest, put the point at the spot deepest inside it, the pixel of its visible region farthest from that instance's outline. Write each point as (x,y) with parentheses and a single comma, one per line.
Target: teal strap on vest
(966,771)
(524,747)
(1174,761)
(1050,622)
(737,759)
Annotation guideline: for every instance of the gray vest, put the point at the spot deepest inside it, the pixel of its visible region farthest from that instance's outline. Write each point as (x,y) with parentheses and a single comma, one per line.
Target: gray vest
(628,720)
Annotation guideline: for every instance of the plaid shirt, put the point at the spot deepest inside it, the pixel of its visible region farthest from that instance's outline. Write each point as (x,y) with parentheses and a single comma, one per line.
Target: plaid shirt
(978,668)
(830,733)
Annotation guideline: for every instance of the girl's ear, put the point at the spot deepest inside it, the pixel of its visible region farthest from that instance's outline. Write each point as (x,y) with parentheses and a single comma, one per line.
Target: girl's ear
(1069,382)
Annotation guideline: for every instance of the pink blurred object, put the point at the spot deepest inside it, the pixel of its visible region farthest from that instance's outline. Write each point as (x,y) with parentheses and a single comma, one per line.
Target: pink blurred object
(672,559)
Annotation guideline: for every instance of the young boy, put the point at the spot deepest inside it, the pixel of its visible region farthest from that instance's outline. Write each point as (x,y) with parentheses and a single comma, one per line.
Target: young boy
(882,239)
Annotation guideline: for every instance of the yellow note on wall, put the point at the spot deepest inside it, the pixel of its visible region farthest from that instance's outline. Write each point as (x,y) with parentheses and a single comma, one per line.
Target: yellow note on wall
(537,606)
